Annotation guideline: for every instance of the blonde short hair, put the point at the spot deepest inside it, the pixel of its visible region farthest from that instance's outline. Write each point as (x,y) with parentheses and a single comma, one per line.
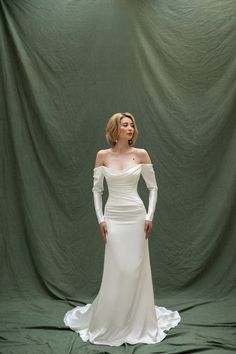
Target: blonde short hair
(113,125)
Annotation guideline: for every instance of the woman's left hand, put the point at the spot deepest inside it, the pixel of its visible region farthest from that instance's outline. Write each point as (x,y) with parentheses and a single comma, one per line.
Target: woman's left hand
(147,228)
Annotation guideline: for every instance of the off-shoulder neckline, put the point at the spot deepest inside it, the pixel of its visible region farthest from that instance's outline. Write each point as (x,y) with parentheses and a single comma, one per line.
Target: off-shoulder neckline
(124,169)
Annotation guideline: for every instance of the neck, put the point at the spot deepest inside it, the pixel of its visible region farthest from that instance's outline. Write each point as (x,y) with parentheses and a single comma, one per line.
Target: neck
(121,147)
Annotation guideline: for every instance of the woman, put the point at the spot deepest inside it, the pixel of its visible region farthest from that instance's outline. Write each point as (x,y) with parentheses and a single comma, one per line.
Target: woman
(124,310)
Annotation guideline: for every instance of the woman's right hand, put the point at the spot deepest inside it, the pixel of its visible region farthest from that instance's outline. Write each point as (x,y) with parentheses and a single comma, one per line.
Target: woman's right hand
(103,230)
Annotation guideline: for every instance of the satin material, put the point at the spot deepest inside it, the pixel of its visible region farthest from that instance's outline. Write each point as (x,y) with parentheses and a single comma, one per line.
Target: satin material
(124,309)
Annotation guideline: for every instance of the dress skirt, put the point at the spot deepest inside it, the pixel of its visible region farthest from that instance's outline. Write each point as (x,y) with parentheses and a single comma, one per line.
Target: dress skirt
(124,309)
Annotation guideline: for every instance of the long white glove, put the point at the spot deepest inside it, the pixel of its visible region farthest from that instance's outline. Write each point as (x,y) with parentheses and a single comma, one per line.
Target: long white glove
(150,180)
(98,178)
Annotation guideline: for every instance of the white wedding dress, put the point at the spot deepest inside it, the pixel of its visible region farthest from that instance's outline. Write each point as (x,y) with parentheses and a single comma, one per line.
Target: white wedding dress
(124,309)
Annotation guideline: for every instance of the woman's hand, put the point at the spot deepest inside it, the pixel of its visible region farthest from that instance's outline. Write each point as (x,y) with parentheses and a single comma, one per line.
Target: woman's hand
(103,230)
(147,228)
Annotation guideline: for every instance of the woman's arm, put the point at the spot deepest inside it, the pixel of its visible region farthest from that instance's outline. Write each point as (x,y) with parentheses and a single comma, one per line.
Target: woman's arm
(100,158)
(98,191)
(144,156)
(150,180)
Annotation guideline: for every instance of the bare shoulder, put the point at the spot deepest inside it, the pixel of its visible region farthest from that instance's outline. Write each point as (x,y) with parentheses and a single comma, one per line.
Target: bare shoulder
(143,155)
(101,157)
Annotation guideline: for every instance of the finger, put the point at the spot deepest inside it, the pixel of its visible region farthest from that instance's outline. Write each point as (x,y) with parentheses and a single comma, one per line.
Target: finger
(146,230)
(105,238)
(105,234)
(149,231)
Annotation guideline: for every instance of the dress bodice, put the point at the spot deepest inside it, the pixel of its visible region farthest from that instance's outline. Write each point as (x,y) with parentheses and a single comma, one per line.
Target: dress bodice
(122,185)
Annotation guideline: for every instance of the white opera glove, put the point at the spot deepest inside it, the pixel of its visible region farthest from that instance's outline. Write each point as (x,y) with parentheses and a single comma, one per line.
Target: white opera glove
(150,180)
(98,178)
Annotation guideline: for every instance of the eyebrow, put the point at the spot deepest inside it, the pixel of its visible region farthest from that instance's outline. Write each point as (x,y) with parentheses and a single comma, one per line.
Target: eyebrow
(127,123)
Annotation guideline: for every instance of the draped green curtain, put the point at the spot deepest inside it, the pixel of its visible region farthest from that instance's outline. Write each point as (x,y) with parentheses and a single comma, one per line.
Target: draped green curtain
(66,67)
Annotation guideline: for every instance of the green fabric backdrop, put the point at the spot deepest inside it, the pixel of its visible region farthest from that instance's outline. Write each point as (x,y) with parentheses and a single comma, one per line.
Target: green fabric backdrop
(66,67)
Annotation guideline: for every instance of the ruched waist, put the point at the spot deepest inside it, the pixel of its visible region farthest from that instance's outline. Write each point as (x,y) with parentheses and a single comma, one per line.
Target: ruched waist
(124,204)
(124,212)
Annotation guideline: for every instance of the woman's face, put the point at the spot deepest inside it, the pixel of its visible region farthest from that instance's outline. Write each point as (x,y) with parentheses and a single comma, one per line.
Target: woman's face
(126,130)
